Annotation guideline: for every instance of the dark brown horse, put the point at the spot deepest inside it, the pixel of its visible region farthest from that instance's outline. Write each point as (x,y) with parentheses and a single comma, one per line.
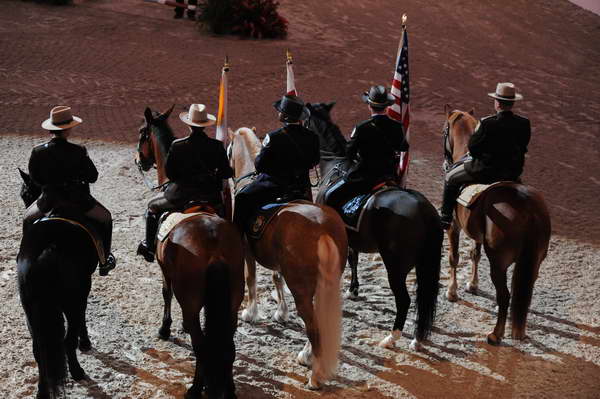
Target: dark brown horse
(307,245)
(513,225)
(202,263)
(55,265)
(402,225)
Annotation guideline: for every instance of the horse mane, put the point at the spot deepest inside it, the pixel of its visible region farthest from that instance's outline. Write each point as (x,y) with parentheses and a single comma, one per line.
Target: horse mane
(164,135)
(245,150)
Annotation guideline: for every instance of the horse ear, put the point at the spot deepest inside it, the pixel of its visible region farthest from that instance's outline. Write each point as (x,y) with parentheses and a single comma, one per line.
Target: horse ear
(148,115)
(472,111)
(24,176)
(165,115)
(330,105)
(447,109)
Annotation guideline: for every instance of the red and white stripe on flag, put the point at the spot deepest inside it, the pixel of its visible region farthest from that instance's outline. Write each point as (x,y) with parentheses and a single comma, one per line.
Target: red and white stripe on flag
(222,114)
(291,83)
(400,110)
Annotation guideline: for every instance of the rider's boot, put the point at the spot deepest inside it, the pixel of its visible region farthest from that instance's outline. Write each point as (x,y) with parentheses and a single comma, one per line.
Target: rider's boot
(111,262)
(147,247)
(447,211)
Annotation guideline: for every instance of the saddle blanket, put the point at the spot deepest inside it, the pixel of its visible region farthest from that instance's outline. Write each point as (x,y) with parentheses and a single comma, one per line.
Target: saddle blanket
(94,237)
(353,210)
(172,220)
(264,215)
(469,195)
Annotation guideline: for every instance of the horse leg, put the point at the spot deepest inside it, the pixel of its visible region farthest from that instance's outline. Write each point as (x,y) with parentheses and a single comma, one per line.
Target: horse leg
(304,306)
(250,314)
(525,274)
(74,315)
(498,272)
(164,332)
(84,339)
(353,261)
(453,258)
(191,319)
(397,281)
(473,284)
(282,314)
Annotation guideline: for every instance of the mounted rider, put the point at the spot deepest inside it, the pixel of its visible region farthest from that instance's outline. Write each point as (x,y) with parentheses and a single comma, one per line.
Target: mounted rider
(64,171)
(196,166)
(496,150)
(373,148)
(283,163)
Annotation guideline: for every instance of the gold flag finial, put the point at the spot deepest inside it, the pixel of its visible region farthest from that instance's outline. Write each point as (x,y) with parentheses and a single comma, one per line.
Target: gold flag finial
(226,65)
(288,55)
(404,18)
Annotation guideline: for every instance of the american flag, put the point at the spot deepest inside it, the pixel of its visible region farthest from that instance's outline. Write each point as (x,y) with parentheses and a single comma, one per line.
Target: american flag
(400,111)
(291,83)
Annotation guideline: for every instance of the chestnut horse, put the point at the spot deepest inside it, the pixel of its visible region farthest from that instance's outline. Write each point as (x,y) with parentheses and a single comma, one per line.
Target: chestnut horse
(512,223)
(307,244)
(402,225)
(202,263)
(55,264)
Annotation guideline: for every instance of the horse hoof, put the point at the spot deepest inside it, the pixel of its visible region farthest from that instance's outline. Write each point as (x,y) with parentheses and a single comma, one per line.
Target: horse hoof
(304,358)
(492,339)
(250,316)
(388,342)
(85,345)
(193,393)
(313,384)
(519,336)
(351,294)
(281,317)
(164,334)
(77,373)
(416,345)
(472,288)
(452,296)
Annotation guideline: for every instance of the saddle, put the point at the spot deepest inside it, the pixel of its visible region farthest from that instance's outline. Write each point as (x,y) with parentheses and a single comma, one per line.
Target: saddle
(265,215)
(169,220)
(81,222)
(470,193)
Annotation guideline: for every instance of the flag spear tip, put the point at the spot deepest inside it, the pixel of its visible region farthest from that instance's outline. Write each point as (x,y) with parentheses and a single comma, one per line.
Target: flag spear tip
(288,55)
(404,18)
(226,65)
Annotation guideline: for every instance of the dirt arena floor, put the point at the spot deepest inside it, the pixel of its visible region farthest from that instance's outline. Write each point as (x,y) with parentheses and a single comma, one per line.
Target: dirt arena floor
(110,59)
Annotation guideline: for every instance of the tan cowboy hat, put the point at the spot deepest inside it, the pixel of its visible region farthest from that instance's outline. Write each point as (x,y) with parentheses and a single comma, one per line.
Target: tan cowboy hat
(197,116)
(506,92)
(61,118)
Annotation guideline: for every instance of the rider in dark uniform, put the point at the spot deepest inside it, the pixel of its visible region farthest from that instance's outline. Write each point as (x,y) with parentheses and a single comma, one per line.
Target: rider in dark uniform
(283,164)
(374,145)
(196,166)
(64,172)
(496,150)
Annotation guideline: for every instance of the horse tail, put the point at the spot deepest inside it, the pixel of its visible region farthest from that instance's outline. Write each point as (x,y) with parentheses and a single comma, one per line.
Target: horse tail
(428,276)
(39,296)
(328,306)
(219,330)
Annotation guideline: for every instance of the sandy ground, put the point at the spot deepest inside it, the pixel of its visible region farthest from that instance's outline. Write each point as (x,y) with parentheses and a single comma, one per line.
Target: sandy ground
(109,59)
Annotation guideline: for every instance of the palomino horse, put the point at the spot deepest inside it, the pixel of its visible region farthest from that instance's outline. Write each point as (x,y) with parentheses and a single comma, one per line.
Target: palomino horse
(401,225)
(513,225)
(307,244)
(55,265)
(202,263)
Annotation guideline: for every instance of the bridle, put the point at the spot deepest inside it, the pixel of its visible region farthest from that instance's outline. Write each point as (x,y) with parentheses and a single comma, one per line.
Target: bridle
(145,133)
(448,143)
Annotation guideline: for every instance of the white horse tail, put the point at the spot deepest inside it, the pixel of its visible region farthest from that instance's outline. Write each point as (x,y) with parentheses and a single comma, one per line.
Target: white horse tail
(328,307)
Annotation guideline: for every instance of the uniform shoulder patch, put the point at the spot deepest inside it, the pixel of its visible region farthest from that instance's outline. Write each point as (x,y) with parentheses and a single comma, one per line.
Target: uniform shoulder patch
(266,140)
(486,118)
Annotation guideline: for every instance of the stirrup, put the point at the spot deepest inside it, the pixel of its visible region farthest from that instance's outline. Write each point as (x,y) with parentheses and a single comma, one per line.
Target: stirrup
(110,264)
(145,251)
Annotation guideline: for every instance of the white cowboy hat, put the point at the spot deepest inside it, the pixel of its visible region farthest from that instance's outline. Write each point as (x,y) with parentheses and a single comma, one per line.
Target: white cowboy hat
(197,116)
(61,119)
(506,92)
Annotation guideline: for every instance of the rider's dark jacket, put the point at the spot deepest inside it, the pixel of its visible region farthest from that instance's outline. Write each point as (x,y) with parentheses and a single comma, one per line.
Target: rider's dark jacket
(63,170)
(196,166)
(374,144)
(498,146)
(287,156)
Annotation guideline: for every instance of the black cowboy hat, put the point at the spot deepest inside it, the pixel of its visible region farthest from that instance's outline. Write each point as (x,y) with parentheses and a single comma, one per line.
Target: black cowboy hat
(292,107)
(378,96)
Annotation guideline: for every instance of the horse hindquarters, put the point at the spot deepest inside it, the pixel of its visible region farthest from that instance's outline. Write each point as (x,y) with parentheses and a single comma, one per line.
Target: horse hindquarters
(39,293)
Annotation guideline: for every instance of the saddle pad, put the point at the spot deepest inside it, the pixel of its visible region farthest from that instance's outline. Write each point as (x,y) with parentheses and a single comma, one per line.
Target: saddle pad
(91,233)
(172,220)
(262,219)
(353,210)
(470,193)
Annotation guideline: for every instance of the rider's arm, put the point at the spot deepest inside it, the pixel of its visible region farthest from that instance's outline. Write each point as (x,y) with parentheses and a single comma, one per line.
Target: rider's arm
(171,165)
(224,170)
(352,147)
(477,141)
(89,173)
(266,157)
(34,169)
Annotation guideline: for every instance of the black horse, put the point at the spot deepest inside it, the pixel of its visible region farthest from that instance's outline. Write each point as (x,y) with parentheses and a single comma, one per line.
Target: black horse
(55,263)
(400,224)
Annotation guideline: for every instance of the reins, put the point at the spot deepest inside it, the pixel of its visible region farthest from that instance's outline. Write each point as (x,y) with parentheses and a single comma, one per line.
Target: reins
(145,179)
(448,144)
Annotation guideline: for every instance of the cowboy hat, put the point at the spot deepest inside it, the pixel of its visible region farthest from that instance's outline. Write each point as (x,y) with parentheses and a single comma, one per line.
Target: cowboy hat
(292,107)
(197,116)
(61,118)
(506,92)
(378,96)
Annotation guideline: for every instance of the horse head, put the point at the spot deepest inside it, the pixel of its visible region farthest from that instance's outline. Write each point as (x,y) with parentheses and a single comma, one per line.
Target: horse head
(152,128)
(331,140)
(242,151)
(29,190)
(458,128)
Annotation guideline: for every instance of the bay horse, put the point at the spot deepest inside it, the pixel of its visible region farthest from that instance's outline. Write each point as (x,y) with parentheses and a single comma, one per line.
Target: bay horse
(307,245)
(512,223)
(55,264)
(202,264)
(402,225)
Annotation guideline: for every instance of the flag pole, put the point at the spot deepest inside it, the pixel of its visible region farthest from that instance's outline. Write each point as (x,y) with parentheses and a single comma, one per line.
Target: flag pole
(291,81)
(222,133)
